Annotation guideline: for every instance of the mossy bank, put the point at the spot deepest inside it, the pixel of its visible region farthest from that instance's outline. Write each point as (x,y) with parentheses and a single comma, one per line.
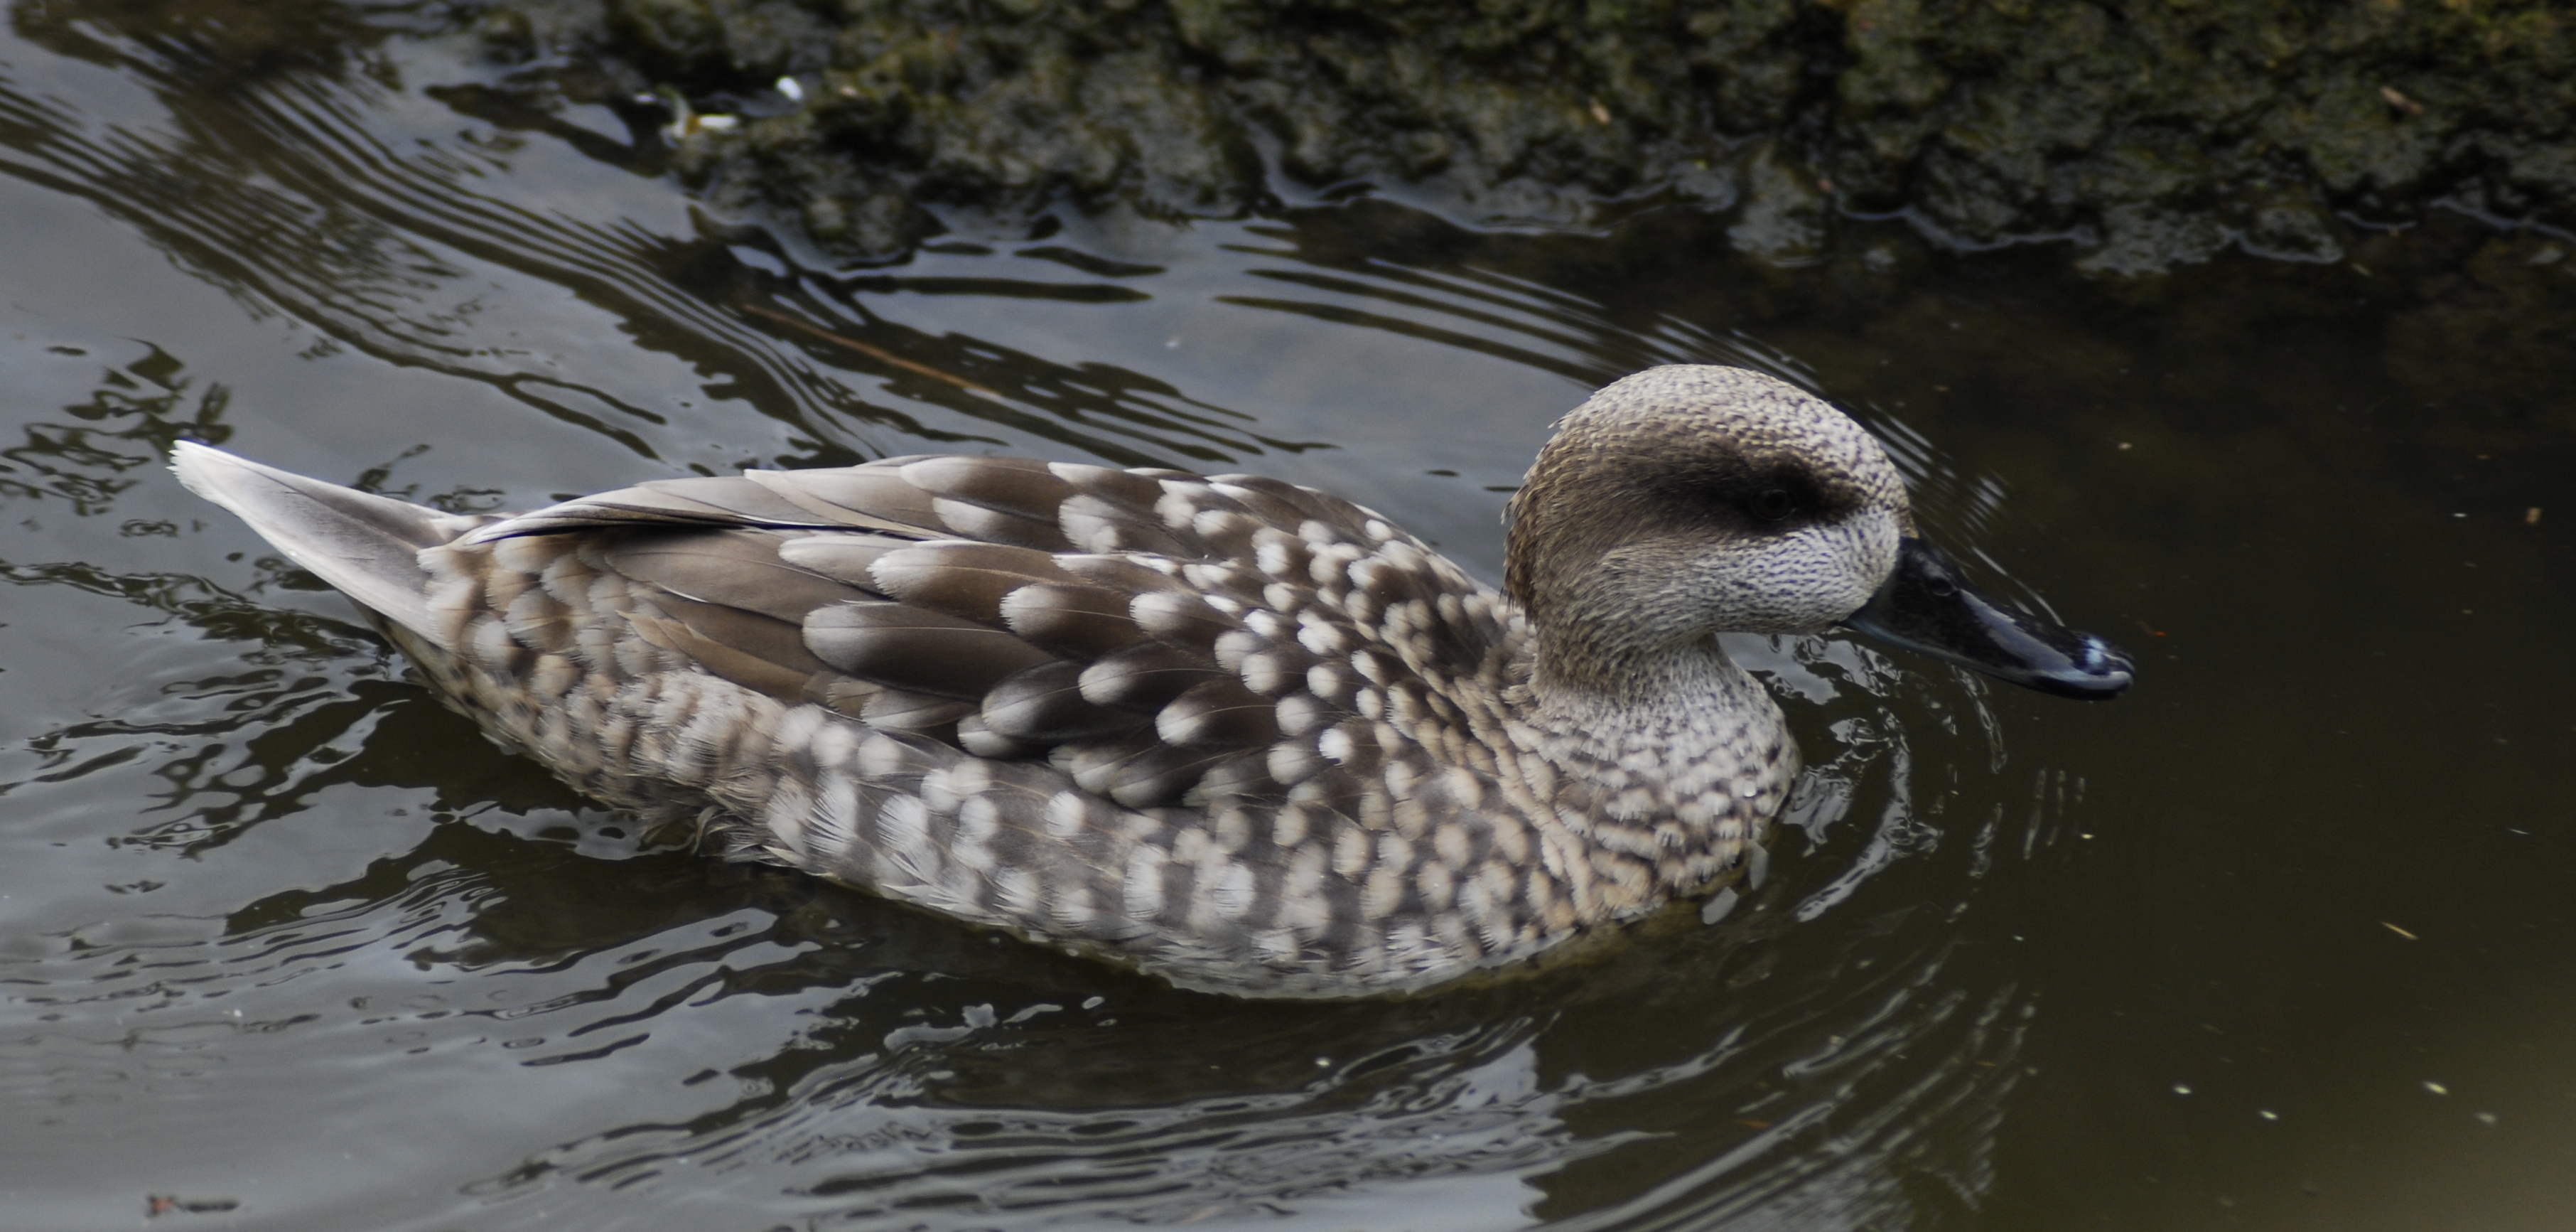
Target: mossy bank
(2137,133)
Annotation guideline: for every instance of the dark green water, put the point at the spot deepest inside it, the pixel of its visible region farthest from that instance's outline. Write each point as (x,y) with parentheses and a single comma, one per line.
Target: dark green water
(2283,940)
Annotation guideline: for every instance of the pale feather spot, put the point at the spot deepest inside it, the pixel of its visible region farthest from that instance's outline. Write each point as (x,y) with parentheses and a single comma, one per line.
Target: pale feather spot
(903,824)
(939,792)
(1350,851)
(1412,816)
(1381,894)
(553,676)
(1179,504)
(1323,638)
(1406,942)
(1434,883)
(1234,647)
(1371,666)
(1392,741)
(1302,905)
(1276,947)
(490,645)
(1095,525)
(979,821)
(1288,828)
(1319,792)
(1293,762)
(1453,939)
(1074,907)
(1375,806)
(525,553)
(1330,565)
(1275,554)
(454,604)
(785,814)
(1169,612)
(1066,814)
(880,757)
(1453,845)
(1143,889)
(1216,524)
(1466,789)
(1269,672)
(835,818)
(608,593)
(961,884)
(1232,892)
(1233,830)
(700,751)
(617,738)
(834,744)
(1632,804)
(1020,894)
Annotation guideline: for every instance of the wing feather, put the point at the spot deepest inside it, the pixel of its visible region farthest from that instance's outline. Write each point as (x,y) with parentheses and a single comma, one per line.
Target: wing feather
(1140,629)
(736,568)
(917,650)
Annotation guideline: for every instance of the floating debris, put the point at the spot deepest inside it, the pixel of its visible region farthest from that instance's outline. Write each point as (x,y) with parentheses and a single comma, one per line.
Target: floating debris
(157,1205)
(687,121)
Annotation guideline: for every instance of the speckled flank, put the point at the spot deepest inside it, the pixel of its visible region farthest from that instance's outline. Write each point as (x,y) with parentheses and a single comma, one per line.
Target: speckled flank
(1245,735)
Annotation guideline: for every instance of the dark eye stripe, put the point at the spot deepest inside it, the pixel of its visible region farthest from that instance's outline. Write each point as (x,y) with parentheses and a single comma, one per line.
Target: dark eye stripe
(1765,499)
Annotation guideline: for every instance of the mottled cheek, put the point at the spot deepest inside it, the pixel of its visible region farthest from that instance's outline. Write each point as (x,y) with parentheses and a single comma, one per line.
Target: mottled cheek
(1823,574)
(1876,537)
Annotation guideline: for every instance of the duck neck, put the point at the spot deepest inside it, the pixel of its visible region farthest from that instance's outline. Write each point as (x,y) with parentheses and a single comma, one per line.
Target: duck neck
(1683,738)
(1656,688)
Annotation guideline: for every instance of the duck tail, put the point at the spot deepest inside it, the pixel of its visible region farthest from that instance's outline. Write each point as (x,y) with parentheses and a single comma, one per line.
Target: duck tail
(366,545)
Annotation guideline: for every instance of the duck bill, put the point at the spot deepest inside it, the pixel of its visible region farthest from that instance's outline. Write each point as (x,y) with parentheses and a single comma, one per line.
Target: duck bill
(1925,607)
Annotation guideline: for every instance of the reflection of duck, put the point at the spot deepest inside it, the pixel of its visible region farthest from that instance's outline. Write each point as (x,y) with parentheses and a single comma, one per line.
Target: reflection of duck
(1243,734)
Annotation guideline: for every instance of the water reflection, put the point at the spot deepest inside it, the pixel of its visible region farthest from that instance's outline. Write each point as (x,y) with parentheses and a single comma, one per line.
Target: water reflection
(271,896)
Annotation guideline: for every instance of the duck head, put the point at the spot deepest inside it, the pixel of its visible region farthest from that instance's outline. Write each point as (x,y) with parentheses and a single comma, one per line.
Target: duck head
(1690,500)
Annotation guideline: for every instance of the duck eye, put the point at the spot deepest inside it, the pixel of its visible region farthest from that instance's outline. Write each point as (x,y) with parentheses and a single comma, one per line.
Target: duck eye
(1773,504)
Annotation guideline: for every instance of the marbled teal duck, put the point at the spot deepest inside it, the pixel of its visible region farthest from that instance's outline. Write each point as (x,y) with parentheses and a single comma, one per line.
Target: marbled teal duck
(1242,734)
